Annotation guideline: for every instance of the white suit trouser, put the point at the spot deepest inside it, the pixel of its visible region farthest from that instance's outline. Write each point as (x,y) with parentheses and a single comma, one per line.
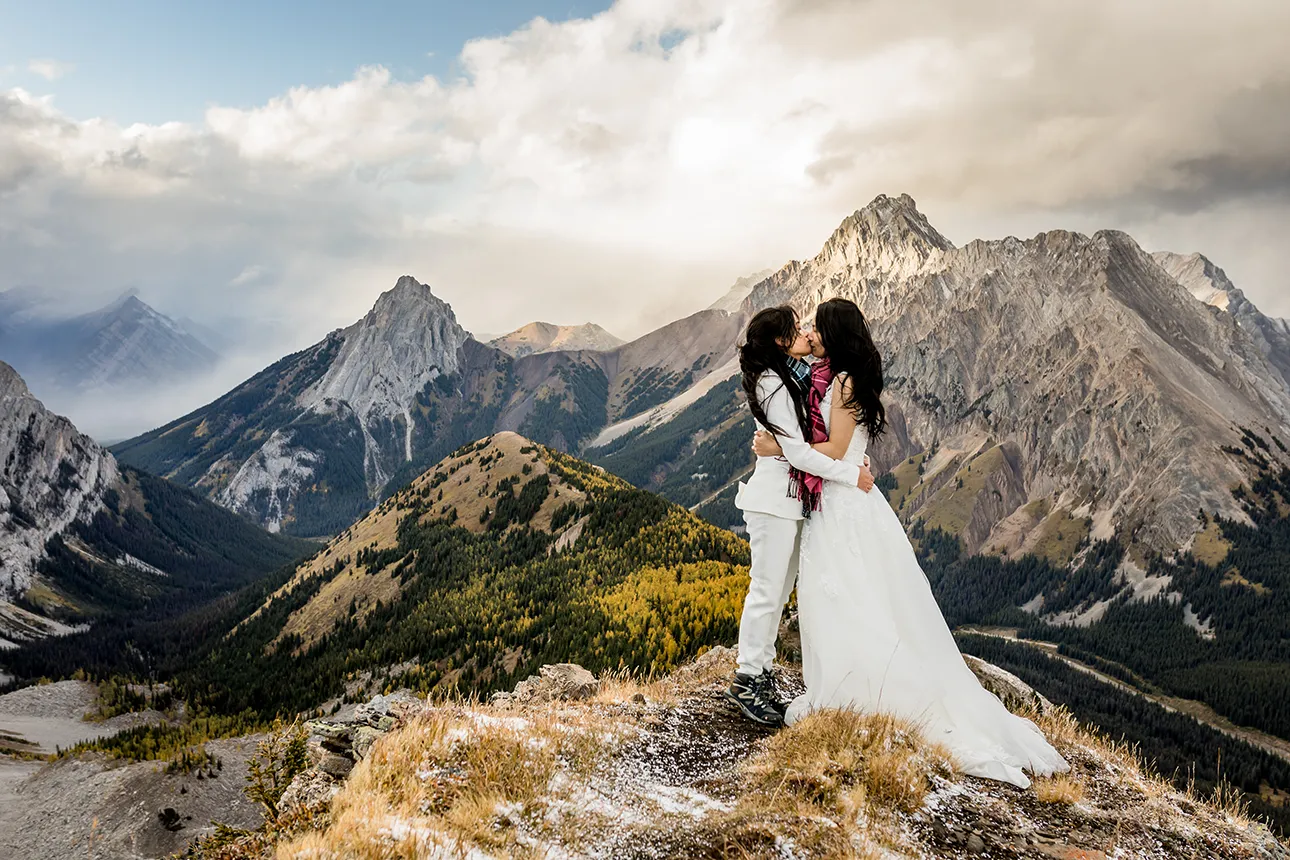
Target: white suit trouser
(774,542)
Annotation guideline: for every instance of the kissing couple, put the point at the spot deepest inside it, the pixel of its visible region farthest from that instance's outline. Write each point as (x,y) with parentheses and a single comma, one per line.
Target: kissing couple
(873,636)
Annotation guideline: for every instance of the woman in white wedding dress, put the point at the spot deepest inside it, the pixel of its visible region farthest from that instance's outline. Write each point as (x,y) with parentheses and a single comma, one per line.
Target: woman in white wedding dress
(873,636)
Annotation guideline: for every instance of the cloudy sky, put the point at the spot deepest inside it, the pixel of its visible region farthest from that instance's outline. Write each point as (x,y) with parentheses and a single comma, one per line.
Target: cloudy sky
(274,171)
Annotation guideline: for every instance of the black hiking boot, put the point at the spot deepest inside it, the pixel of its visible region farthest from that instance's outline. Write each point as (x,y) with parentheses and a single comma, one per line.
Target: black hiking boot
(745,692)
(765,686)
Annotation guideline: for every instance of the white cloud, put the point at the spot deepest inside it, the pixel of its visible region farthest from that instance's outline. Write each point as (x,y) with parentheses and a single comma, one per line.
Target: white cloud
(50,70)
(628,167)
(248,275)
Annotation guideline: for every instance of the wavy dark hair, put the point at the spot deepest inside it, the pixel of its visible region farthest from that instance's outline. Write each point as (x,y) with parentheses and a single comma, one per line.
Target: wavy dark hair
(761,353)
(851,350)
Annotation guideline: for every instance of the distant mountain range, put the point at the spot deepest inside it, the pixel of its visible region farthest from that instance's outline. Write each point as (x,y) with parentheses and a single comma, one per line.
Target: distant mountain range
(545,337)
(1089,444)
(734,298)
(313,442)
(124,345)
(1065,383)
(83,538)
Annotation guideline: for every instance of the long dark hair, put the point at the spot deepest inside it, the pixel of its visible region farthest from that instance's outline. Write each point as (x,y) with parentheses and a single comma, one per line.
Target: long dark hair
(761,353)
(850,348)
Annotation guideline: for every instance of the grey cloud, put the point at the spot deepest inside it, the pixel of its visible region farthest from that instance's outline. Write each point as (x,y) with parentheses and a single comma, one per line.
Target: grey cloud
(558,152)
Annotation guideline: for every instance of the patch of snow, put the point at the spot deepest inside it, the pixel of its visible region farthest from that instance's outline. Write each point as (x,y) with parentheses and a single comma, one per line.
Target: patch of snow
(127,560)
(665,412)
(432,844)
(679,799)
(514,724)
(935,799)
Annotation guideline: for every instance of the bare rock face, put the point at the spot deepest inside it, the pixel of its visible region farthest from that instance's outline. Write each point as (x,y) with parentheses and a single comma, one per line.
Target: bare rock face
(1015,693)
(356,397)
(1210,284)
(51,475)
(1113,387)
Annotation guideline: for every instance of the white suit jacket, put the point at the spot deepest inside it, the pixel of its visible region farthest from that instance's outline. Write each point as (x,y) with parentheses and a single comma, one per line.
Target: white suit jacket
(766,490)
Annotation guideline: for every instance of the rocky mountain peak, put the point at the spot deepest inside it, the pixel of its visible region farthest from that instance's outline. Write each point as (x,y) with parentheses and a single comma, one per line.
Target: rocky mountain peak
(376,368)
(1204,280)
(408,338)
(734,297)
(12,385)
(889,235)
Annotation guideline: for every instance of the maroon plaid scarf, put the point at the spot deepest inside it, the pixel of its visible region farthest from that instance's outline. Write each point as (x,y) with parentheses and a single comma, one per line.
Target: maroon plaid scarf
(801,485)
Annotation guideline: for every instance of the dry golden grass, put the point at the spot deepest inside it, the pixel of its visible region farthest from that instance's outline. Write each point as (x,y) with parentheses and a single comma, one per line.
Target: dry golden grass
(1161,799)
(950,508)
(1209,546)
(1063,788)
(1058,537)
(618,687)
(452,778)
(843,761)
(1233,577)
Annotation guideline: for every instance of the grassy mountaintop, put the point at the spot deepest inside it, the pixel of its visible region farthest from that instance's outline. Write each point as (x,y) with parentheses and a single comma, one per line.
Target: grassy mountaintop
(504,556)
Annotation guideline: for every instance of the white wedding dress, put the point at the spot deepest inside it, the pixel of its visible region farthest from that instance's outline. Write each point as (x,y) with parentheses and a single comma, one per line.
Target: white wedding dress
(874,639)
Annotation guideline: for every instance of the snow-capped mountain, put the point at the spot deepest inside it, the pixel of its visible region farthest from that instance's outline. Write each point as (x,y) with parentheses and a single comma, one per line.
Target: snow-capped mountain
(545,337)
(126,344)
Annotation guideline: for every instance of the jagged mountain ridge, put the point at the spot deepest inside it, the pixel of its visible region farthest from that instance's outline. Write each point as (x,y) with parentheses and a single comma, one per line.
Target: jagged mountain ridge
(1116,387)
(127,343)
(963,378)
(82,537)
(1210,284)
(311,443)
(546,337)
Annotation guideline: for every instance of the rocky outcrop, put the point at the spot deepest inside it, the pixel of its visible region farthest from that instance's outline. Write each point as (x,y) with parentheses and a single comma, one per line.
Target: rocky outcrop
(1015,693)
(51,476)
(336,745)
(668,769)
(562,682)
